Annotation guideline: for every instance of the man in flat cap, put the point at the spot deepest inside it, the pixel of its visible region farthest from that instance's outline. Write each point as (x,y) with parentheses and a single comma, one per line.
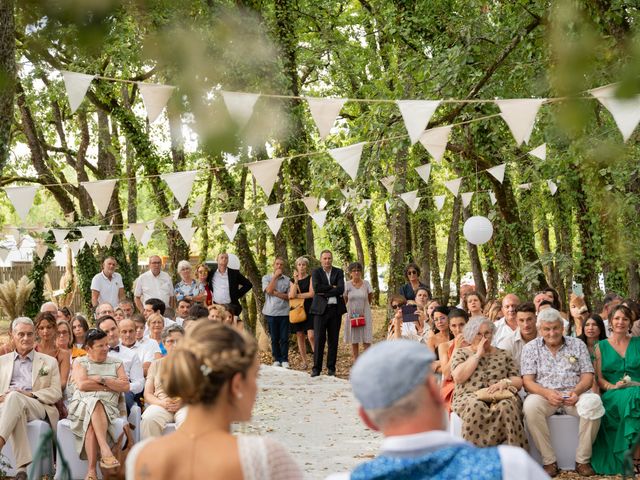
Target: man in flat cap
(399,396)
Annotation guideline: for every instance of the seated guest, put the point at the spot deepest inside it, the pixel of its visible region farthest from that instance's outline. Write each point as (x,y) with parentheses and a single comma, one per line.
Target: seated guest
(155,305)
(214,371)
(49,307)
(146,355)
(506,326)
(482,366)
(127,308)
(217,313)
(556,371)
(183,310)
(99,379)
(64,314)
(409,289)
(457,320)
(617,365)
(46,332)
(473,303)
(441,333)
(102,310)
(118,315)
(527,331)
(578,315)
(593,331)
(155,325)
(398,328)
(399,397)
(30,388)
(63,335)
(160,408)
(198,311)
(79,328)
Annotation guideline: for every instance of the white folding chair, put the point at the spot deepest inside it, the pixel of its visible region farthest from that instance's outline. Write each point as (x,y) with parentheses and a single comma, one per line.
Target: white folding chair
(36,431)
(564,440)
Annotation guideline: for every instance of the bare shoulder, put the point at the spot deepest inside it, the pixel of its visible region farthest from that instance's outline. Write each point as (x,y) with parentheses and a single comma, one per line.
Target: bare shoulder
(155,457)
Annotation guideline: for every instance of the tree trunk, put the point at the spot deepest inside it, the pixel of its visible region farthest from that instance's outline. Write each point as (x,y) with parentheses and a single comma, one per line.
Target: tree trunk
(454,233)
(634,280)
(369,237)
(356,237)
(438,284)
(586,271)
(474,259)
(7,77)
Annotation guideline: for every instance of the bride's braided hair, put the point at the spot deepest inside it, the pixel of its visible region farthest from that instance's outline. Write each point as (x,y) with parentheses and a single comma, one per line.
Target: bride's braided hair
(205,360)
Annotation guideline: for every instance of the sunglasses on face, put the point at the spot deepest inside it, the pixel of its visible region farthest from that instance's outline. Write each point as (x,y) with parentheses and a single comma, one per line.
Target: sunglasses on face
(396,306)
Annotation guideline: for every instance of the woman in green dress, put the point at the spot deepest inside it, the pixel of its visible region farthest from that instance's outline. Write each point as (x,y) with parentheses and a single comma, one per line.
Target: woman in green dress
(618,370)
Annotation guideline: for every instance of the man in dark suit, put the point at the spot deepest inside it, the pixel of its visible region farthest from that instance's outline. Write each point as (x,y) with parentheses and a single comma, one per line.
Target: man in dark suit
(227,285)
(327,309)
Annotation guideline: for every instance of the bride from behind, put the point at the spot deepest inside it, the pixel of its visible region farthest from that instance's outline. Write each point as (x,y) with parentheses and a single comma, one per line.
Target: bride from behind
(214,371)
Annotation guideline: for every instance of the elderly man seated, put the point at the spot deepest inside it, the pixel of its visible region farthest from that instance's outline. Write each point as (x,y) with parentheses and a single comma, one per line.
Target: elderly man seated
(399,396)
(556,371)
(30,386)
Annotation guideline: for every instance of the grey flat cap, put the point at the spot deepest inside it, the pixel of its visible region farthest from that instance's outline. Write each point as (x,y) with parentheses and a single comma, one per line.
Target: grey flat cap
(388,371)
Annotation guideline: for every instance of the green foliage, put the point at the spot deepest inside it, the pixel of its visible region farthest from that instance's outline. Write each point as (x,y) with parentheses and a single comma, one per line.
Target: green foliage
(37,273)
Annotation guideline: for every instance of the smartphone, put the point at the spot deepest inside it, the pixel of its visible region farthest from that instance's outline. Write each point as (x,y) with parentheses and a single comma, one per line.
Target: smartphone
(409,313)
(577,289)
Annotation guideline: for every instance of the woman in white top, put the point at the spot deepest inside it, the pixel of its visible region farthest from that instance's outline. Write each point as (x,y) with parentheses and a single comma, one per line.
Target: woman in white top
(214,371)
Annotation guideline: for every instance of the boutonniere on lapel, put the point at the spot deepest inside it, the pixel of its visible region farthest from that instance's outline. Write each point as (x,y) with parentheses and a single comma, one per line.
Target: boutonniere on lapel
(572,359)
(43,372)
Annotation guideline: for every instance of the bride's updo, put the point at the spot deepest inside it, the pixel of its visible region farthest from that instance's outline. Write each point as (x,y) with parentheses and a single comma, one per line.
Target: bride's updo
(205,360)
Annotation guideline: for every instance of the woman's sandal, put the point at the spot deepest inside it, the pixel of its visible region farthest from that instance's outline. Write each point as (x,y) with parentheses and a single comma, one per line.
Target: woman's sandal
(109,462)
(91,476)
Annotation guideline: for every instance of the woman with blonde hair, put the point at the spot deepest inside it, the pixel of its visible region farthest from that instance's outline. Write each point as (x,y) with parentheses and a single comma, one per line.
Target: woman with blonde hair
(214,372)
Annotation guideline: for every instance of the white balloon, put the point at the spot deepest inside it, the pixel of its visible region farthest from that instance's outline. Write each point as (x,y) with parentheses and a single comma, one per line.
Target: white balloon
(478,230)
(234,262)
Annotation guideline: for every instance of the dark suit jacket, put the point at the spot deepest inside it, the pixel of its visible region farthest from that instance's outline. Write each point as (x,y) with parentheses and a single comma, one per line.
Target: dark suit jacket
(238,284)
(323,290)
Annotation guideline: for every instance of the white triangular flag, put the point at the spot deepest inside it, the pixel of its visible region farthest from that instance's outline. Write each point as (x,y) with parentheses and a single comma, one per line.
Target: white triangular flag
(146,237)
(266,173)
(168,221)
(155,98)
(466,198)
(76,85)
(229,218)
(127,233)
(520,115)
(76,246)
(176,213)
(231,231)
(109,239)
(320,217)
(439,201)
(424,171)
(275,224)
(344,207)
(348,158)
(498,171)
(411,199)
(180,184)
(553,188)
(625,111)
(22,198)
(138,230)
(492,197)
(196,208)
(322,203)
(100,192)
(240,106)
(59,235)
(271,211)
(540,152)
(453,185)
(89,233)
(524,186)
(41,249)
(416,115)
(184,227)
(387,206)
(324,112)
(388,182)
(435,141)
(151,225)
(4,254)
(311,203)
(103,237)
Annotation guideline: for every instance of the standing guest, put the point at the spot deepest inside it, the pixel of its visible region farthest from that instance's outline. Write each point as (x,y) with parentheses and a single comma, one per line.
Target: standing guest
(63,337)
(79,328)
(183,310)
(49,307)
(507,326)
(358,296)
(457,320)
(593,331)
(64,314)
(99,379)
(154,283)
(30,387)
(557,370)
(493,311)
(465,288)
(107,285)
(526,331)
(301,288)
(327,309)
(409,289)
(155,325)
(399,396)
(203,273)
(276,312)
(188,288)
(578,315)
(46,332)
(441,333)
(214,371)
(227,285)
(541,297)
(127,307)
(104,309)
(473,304)
(555,298)
(146,355)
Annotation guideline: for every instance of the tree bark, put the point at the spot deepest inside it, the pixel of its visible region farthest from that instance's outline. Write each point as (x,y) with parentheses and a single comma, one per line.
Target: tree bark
(7,77)
(356,237)
(454,233)
(369,237)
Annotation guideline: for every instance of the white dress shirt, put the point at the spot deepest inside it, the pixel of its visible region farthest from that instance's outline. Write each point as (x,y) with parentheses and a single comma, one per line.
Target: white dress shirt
(149,286)
(503,330)
(221,292)
(330,300)
(132,367)
(144,354)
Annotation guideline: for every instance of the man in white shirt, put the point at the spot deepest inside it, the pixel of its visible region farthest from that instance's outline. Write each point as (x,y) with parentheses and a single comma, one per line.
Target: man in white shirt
(146,353)
(526,331)
(107,285)
(227,285)
(154,283)
(507,325)
(182,311)
(400,397)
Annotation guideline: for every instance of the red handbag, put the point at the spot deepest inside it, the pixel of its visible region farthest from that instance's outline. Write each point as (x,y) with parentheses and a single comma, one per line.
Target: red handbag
(357,322)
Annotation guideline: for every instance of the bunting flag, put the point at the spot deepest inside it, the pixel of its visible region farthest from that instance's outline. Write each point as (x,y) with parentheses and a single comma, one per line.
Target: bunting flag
(344,207)
(22,199)
(231,231)
(168,221)
(155,98)
(540,152)
(324,112)
(104,238)
(439,201)
(520,115)
(184,226)
(229,219)
(348,158)
(524,186)
(453,185)
(266,173)
(411,199)
(311,203)
(625,111)
(41,248)
(4,254)
(271,211)
(492,197)
(59,235)
(435,141)
(196,208)
(388,182)
(424,171)
(387,206)
(320,217)
(127,233)
(180,184)
(553,188)
(76,85)
(498,171)
(100,192)
(416,115)
(240,106)
(76,245)
(89,233)
(138,230)
(274,224)
(322,203)
(466,198)
(146,237)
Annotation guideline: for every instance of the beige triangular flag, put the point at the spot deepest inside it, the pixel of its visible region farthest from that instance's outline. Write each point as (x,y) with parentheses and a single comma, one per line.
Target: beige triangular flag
(168,221)
(498,171)
(520,115)
(240,106)
(41,248)
(76,85)
(196,208)
(348,158)
(492,197)
(229,219)
(320,217)
(184,227)
(625,111)
(103,237)
(4,254)
(424,171)
(155,98)
(127,233)
(100,192)
(271,211)
(266,173)
(109,239)
(466,198)
(311,203)
(439,201)
(324,112)
(275,224)
(435,141)
(411,199)
(540,152)
(322,203)
(59,235)
(180,184)
(89,233)
(416,115)
(388,182)
(453,185)
(524,186)
(138,230)
(146,237)
(22,198)
(76,246)
(231,231)
(553,188)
